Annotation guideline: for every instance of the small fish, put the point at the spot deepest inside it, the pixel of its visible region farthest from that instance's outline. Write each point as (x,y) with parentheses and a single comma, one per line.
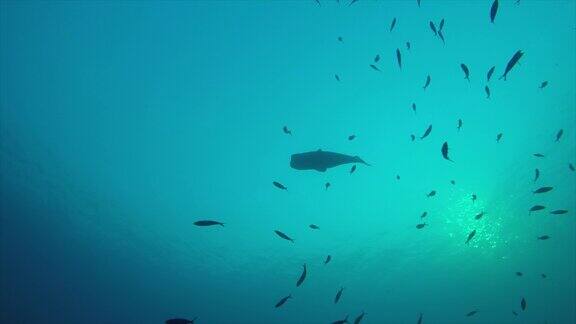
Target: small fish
(180,321)
(279,185)
(459,124)
(377,58)
(543,84)
(489,74)
(342,321)
(397,177)
(536,174)
(351,137)
(523,304)
(338,295)
(544,276)
(207,223)
(543,237)
(441,25)
(470,236)
(515,58)
(444,151)
(424,214)
(313,226)
(441,36)
(399,58)
(340,39)
(393,24)
(427,132)
(478,216)
(286,130)
(302,276)
(536,208)
(519,274)
(318,2)
(428,79)
(571,167)
(284,236)
(352,169)
(433,28)
(418,2)
(466,71)
(327,185)
(431,193)
(352,2)
(375,67)
(471,313)
(328,258)
(559,212)
(413,137)
(487,90)
(538,155)
(473,198)
(419,319)
(542,190)
(337,77)
(408,45)
(414,107)
(282,301)
(359,318)
(515,314)
(420,226)
(559,134)
(493,10)
(452,182)
(498,137)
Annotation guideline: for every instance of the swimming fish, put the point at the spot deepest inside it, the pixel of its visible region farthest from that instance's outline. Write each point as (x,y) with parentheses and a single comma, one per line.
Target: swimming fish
(536,174)
(420,226)
(433,28)
(424,214)
(535,208)
(515,314)
(471,313)
(399,58)
(473,197)
(470,236)
(418,2)
(207,223)
(459,124)
(498,137)
(466,71)
(493,10)
(393,24)
(414,107)
(321,160)
(445,151)
(180,321)
(337,77)
(431,193)
(359,318)
(543,276)
(397,177)
(313,226)
(352,2)
(441,25)
(352,169)
(452,182)
(478,216)
(441,36)
(328,258)
(340,39)
(542,190)
(427,132)
(540,155)
(279,185)
(543,237)
(351,137)
(543,84)
(558,212)
(286,130)
(419,319)
(519,274)
(408,45)
(487,90)
(342,321)
(327,185)
(413,137)
(559,134)
(302,276)
(515,58)
(377,58)
(318,2)
(375,67)
(338,295)
(284,236)
(571,166)
(489,74)
(428,79)
(282,301)
(523,304)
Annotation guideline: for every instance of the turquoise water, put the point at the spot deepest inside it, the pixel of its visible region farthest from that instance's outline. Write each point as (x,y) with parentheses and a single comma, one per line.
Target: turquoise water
(123,123)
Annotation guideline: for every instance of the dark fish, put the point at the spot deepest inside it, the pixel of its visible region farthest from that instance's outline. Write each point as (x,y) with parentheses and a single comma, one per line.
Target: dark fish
(284,236)
(536,174)
(512,63)
(441,25)
(313,226)
(207,223)
(397,177)
(279,185)
(543,237)
(428,79)
(571,166)
(515,314)
(493,10)
(418,2)
(352,2)
(352,169)
(433,28)
(377,58)
(393,24)
(470,236)
(337,77)
(487,90)
(327,185)
(441,36)
(286,130)
(359,318)
(542,190)
(399,58)
(543,84)
(340,39)
(302,276)
(523,304)
(419,319)
(559,212)
(321,160)
(445,152)
(424,214)
(498,137)
(351,137)
(414,107)
(472,313)
(413,137)
(466,71)
(489,74)
(180,321)
(459,124)
(375,67)
(519,274)
(539,155)
(420,226)
(328,258)
(338,295)
(559,134)
(427,132)
(318,2)
(543,276)
(408,45)
(342,321)
(282,301)
(479,215)
(535,208)
(473,197)
(431,193)
(452,182)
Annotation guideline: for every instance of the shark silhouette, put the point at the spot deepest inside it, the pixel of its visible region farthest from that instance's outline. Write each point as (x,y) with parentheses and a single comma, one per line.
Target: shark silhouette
(321,160)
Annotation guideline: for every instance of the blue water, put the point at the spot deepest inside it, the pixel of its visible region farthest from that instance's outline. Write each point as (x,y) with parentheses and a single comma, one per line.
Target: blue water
(123,123)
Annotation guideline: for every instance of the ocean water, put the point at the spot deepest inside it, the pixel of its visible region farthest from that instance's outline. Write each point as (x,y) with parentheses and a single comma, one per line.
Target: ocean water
(124,122)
